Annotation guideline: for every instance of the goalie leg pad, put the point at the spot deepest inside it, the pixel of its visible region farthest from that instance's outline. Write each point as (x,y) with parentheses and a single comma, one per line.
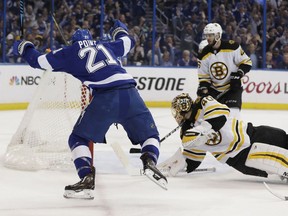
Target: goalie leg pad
(272,159)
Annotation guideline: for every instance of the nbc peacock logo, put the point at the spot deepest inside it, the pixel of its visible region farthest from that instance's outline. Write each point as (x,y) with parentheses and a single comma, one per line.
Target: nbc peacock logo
(14,80)
(24,80)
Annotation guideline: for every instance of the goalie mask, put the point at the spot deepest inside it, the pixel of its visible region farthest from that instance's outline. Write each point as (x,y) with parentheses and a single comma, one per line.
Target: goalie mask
(181,106)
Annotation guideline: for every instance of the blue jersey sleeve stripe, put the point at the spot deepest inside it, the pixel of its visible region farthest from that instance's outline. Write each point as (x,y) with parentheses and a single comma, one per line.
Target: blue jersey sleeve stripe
(111,79)
(126,45)
(43,62)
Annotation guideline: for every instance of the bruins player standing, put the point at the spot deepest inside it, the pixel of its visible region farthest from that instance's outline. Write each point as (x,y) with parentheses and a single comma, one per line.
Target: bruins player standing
(221,65)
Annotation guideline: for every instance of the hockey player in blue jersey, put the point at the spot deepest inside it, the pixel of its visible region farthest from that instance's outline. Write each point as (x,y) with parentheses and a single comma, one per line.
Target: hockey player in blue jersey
(114,99)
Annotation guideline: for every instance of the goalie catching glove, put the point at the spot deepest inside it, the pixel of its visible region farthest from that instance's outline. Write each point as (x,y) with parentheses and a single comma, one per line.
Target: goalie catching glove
(20,46)
(198,135)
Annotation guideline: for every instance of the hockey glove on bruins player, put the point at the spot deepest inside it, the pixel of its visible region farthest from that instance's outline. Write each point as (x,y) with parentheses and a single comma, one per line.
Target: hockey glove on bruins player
(202,91)
(235,80)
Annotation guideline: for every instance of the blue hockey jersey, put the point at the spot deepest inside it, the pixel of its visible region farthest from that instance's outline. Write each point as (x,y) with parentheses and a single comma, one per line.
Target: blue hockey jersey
(96,64)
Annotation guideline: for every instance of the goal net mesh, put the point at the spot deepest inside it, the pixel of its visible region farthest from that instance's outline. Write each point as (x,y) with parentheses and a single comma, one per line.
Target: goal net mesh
(41,140)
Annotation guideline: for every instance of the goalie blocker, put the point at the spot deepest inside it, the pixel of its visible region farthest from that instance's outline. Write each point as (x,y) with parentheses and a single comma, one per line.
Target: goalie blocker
(208,127)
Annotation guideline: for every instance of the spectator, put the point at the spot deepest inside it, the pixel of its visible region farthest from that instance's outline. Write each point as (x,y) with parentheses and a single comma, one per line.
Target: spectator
(187,37)
(284,64)
(241,15)
(177,23)
(252,54)
(269,62)
(167,58)
(284,38)
(9,48)
(284,48)
(187,60)
(277,57)
(138,56)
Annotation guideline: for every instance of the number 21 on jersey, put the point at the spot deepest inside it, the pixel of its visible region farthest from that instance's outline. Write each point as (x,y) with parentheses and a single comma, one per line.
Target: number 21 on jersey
(92,52)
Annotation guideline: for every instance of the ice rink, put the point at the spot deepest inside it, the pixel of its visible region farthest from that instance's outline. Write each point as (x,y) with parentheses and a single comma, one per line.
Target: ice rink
(224,192)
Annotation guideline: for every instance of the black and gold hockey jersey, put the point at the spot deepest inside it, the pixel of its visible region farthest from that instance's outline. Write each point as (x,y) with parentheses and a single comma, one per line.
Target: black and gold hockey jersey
(215,66)
(226,142)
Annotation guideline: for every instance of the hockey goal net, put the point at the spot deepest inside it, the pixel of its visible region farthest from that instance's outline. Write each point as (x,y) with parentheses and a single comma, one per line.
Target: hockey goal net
(41,141)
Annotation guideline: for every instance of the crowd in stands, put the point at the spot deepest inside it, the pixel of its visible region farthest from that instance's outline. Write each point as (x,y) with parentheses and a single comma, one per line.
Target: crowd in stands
(176,42)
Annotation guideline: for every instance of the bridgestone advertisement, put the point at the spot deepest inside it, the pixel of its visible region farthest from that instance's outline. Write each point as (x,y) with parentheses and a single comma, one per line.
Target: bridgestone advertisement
(262,89)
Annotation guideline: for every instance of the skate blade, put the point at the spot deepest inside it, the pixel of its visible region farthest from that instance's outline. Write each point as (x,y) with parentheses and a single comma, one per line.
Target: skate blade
(161,182)
(85,194)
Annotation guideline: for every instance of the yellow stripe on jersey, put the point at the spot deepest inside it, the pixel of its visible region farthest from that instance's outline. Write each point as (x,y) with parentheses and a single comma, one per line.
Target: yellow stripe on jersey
(276,157)
(245,61)
(215,111)
(241,132)
(190,136)
(197,114)
(226,50)
(206,56)
(204,76)
(237,141)
(194,154)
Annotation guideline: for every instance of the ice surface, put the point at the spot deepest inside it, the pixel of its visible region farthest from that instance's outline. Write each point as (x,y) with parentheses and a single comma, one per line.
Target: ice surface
(225,192)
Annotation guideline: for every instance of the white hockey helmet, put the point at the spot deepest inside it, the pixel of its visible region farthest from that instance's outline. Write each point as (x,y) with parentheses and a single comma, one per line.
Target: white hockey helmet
(202,44)
(213,28)
(180,106)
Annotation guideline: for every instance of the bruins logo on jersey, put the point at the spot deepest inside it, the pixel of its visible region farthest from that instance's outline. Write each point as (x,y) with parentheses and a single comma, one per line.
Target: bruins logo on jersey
(215,140)
(219,70)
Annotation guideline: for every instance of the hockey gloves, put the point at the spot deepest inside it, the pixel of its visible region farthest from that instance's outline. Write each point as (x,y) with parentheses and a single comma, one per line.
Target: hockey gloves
(119,29)
(235,80)
(202,91)
(19,47)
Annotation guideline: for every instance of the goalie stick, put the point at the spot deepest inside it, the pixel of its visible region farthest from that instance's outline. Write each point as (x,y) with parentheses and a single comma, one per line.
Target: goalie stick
(134,171)
(138,150)
(198,170)
(276,194)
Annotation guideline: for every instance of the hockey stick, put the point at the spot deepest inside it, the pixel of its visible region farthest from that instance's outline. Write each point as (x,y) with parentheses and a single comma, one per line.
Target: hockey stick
(276,194)
(198,170)
(59,29)
(137,150)
(21,19)
(134,171)
(83,87)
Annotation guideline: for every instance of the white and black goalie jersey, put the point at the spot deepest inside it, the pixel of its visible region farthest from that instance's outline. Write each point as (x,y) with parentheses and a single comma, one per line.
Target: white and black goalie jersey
(215,66)
(227,142)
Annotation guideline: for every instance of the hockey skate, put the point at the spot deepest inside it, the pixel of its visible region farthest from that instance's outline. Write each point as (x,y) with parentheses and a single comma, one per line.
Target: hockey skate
(82,189)
(151,171)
